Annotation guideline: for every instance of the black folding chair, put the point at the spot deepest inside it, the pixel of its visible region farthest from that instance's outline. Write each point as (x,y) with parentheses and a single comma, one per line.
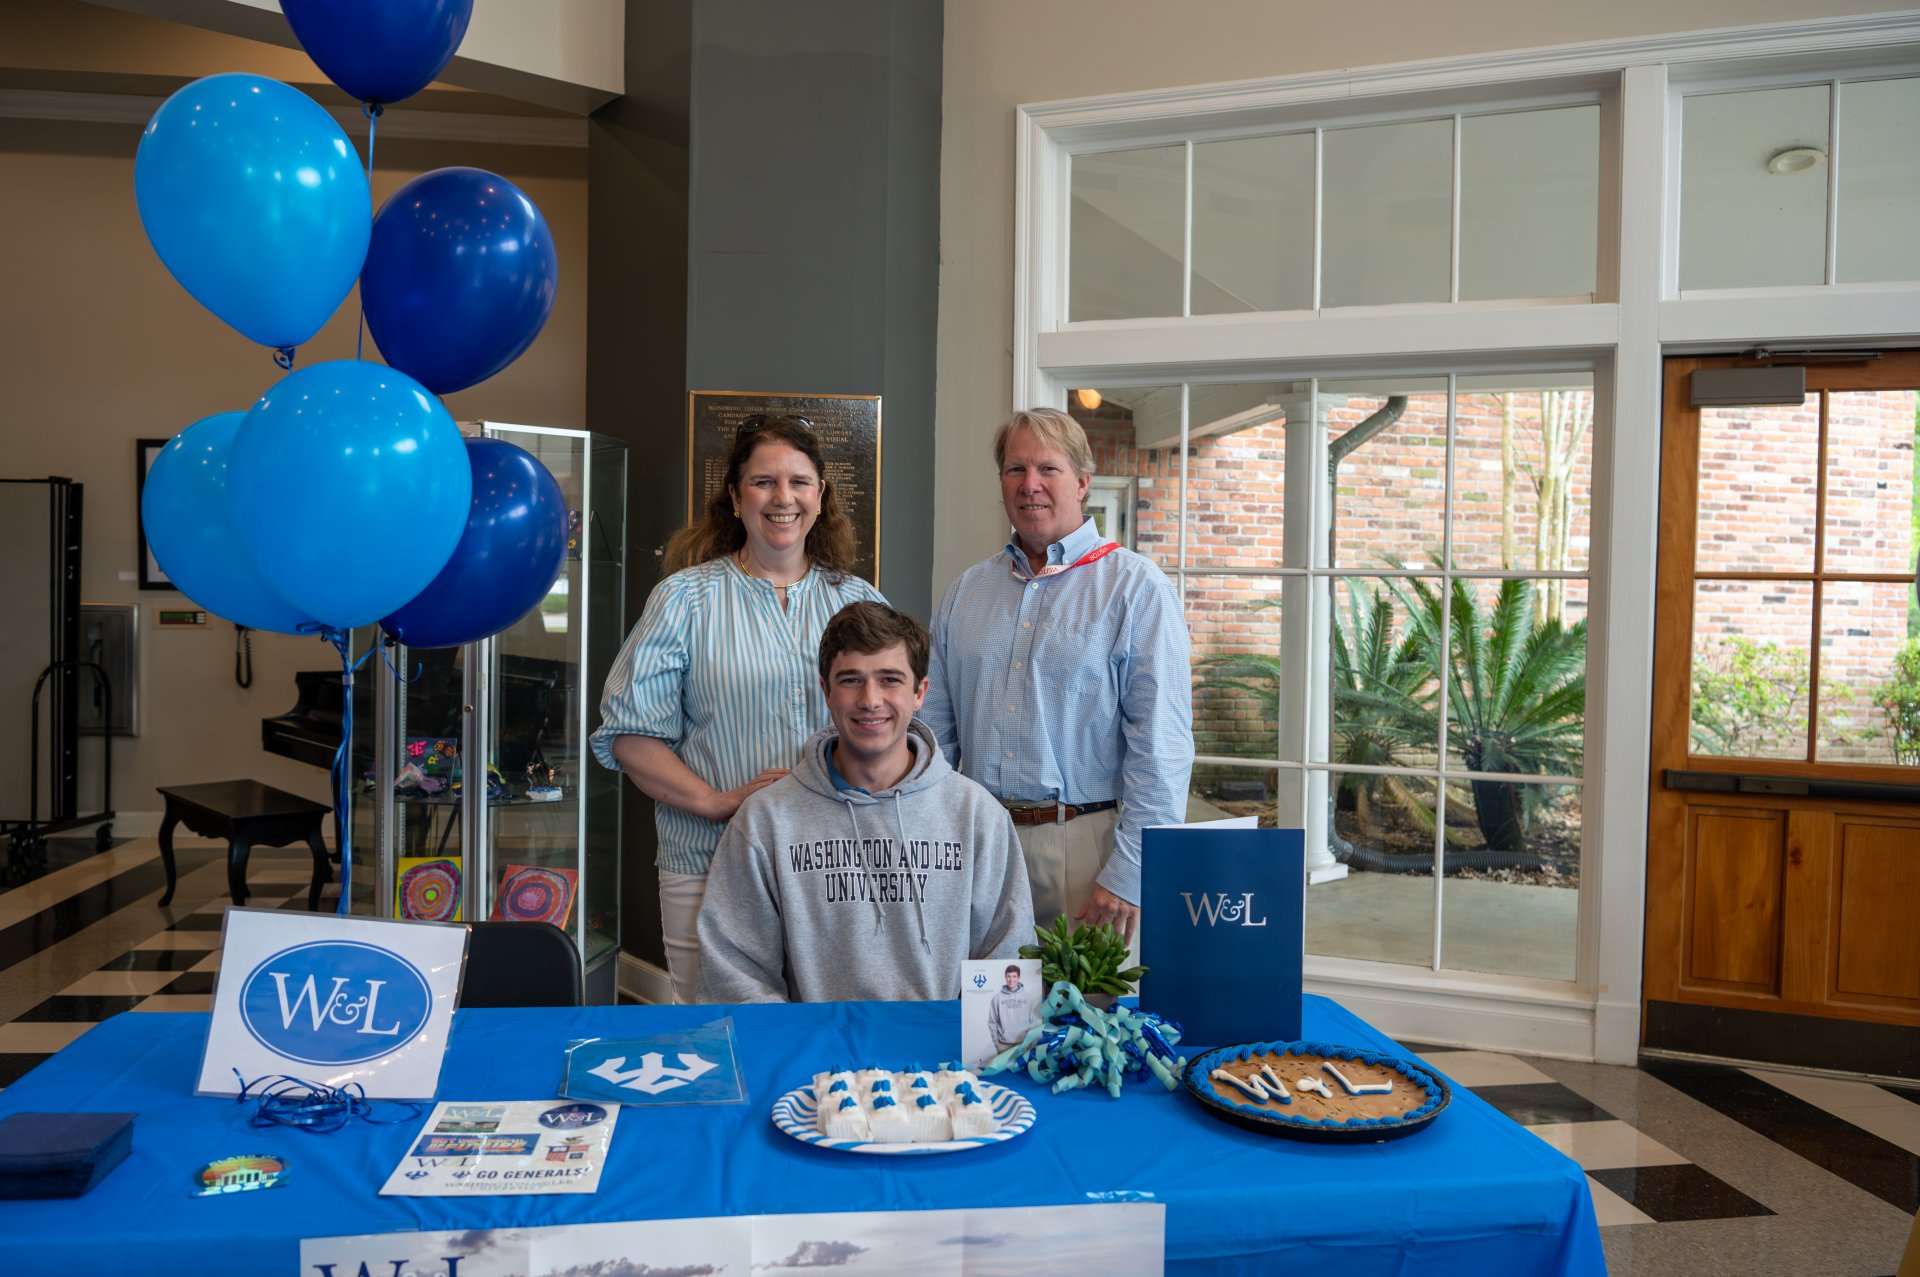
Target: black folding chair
(521,964)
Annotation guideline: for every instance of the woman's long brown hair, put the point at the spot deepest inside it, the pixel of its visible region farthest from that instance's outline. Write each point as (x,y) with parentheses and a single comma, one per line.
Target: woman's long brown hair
(830,544)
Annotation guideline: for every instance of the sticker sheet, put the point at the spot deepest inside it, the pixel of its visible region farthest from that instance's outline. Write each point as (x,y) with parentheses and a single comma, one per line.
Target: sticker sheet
(506,1148)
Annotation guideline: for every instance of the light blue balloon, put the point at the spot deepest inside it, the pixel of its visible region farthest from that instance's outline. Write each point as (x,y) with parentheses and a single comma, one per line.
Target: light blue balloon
(256,201)
(183,508)
(350,485)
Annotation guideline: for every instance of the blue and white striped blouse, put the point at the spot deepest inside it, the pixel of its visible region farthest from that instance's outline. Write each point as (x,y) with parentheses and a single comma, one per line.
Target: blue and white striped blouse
(717,670)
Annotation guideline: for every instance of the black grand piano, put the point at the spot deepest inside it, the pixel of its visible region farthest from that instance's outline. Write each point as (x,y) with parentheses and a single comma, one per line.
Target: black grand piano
(533,699)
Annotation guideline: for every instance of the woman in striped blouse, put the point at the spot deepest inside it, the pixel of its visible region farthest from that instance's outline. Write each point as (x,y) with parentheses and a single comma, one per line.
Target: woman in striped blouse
(718,685)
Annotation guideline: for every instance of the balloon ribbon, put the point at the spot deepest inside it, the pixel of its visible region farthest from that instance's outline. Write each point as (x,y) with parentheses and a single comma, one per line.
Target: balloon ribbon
(373,111)
(342,771)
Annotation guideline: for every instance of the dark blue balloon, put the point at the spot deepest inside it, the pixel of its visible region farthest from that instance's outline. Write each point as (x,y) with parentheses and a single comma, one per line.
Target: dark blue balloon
(349,486)
(507,559)
(459,278)
(190,530)
(379,50)
(256,202)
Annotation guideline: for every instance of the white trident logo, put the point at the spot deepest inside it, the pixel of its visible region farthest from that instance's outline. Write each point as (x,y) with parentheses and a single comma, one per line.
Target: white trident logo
(653,1076)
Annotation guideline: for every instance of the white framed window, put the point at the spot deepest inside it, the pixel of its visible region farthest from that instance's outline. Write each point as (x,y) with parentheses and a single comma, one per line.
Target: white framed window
(1497,201)
(1341,564)
(1222,264)
(1784,181)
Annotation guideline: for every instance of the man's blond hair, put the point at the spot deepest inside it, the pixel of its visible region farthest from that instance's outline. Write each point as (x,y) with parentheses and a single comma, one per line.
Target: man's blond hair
(1051,427)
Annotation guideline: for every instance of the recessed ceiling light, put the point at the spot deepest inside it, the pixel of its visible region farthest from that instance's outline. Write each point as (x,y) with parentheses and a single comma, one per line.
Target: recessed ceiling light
(1795,159)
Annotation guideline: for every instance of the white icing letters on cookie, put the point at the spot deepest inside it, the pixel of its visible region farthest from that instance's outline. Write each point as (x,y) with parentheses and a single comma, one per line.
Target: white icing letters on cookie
(1274,1084)
(1249,1085)
(1351,1088)
(1314,1085)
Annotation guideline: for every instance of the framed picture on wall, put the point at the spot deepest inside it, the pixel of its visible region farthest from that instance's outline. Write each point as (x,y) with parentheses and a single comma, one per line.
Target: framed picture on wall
(151,577)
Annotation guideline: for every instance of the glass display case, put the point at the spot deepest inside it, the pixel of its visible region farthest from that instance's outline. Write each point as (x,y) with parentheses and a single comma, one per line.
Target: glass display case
(506,720)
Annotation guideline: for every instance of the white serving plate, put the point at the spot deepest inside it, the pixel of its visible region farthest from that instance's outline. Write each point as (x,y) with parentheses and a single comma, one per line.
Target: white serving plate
(794,1114)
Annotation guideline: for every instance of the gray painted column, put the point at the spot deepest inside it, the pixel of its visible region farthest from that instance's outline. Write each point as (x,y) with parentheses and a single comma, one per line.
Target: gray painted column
(813,243)
(763,214)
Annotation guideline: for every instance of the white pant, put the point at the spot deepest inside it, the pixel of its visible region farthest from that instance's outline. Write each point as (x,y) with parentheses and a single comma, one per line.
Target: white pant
(680,897)
(1063,861)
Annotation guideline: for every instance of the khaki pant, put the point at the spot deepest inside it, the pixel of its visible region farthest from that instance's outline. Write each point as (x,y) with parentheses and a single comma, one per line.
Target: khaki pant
(1062,863)
(680,897)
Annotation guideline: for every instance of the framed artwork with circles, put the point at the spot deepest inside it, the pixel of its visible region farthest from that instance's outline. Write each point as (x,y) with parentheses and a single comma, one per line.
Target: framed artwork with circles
(533,893)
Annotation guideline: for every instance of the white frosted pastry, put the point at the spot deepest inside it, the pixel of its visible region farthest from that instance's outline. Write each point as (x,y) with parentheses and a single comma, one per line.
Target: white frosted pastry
(830,1088)
(887,1122)
(947,1081)
(911,1085)
(865,1078)
(972,1116)
(927,1119)
(844,1119)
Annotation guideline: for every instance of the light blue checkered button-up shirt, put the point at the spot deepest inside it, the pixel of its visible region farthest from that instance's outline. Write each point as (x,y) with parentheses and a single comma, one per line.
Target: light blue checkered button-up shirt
(717,670)
(1075,687)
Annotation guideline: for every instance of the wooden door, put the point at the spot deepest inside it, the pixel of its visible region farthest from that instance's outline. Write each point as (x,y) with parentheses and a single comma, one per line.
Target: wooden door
(1783,853)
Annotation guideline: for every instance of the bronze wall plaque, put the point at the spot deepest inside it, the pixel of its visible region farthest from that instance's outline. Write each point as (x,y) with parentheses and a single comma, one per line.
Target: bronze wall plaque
(848,427)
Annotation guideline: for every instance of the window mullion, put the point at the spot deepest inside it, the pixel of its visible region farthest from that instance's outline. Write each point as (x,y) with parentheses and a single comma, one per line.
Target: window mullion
(1319,201)
(1453,245)
(1833,185)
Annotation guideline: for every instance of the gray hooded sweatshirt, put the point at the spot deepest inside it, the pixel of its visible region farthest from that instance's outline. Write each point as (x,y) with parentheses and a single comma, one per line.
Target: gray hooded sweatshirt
(821,894)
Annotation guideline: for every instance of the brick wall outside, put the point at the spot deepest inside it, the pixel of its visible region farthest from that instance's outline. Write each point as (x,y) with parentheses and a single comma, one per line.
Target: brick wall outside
(1757,503)
(1759,507)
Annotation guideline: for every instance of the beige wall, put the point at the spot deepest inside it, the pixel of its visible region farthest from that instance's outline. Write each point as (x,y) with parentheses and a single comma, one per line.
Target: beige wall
(1001,53)
(99,347)
(568,54)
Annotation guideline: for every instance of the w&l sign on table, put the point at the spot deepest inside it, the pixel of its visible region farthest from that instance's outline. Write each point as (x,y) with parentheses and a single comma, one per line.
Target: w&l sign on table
(1223,923)
(334,1000)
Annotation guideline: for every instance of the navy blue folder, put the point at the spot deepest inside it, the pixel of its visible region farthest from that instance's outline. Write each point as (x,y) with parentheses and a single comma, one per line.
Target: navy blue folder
(1223,926)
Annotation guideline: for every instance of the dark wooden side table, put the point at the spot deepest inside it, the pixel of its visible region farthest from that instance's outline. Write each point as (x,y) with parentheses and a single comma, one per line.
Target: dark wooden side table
(247,814)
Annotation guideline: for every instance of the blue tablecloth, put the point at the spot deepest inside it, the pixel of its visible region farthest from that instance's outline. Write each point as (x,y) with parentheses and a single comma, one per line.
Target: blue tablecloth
(1473,1193)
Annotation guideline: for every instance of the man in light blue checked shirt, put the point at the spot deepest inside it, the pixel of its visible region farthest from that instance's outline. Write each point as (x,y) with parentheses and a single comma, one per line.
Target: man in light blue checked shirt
(1061,681)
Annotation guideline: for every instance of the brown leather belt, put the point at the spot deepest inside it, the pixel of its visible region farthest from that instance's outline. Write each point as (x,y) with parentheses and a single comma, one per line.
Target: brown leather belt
(1054,813)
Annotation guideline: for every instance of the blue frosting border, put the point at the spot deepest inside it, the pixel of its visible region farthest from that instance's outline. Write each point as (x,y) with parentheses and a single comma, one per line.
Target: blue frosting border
(1200,1073)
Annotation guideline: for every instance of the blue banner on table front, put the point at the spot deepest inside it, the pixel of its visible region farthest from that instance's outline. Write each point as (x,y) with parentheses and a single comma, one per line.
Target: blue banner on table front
(1223,924)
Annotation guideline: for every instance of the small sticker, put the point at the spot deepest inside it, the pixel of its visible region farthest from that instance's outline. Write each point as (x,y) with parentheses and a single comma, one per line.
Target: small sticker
(470,1119)
(572,1116)
(239,1175)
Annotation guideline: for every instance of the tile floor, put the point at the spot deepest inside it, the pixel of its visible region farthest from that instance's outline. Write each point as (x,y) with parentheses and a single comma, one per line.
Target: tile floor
(1695,1168)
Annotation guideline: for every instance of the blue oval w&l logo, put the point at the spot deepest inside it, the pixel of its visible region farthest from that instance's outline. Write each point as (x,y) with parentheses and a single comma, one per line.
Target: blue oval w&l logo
(335,1002)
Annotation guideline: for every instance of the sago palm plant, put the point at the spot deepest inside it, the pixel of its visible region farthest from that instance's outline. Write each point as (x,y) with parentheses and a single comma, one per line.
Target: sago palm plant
(1383,692)
(1516,694)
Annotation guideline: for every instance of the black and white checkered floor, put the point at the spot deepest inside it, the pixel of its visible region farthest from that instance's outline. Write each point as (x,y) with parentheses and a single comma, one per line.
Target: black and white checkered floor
(1695,1168)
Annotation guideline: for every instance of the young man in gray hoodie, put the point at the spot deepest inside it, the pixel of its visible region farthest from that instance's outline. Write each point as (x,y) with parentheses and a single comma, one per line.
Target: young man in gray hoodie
(874,869)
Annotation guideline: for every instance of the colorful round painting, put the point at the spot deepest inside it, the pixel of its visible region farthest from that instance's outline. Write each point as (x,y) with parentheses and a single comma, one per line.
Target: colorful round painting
(430,891)
(533,894)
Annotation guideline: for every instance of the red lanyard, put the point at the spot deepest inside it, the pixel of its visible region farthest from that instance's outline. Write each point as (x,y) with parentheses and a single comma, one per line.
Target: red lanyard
(1093,555)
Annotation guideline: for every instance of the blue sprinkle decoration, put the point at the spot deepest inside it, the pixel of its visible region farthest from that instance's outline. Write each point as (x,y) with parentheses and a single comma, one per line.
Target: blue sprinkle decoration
(885,1101)
(927,1101)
